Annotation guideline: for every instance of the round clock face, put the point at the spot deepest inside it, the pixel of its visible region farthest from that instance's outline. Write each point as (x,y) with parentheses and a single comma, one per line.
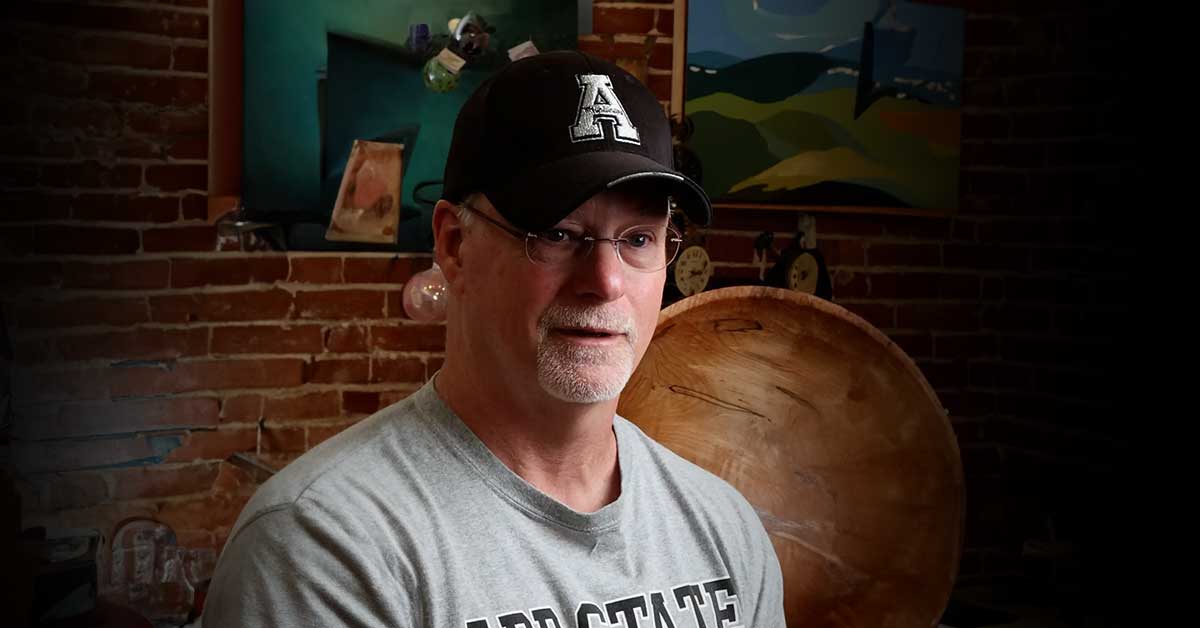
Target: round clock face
(803,273)
(692,270)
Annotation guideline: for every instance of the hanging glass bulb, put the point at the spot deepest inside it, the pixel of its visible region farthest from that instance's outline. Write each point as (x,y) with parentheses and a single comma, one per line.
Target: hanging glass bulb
(425,296)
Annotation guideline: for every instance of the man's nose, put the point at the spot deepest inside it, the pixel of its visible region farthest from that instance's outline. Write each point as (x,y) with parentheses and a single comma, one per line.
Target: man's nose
(600,273)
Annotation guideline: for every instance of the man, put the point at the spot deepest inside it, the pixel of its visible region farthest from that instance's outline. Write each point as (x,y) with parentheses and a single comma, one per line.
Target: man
(505,493)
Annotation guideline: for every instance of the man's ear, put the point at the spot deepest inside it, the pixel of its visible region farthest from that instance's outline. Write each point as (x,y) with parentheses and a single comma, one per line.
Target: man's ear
(447,238)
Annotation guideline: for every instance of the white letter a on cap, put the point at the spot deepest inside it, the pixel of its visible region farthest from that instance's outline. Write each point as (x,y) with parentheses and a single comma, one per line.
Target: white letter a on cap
(598,101)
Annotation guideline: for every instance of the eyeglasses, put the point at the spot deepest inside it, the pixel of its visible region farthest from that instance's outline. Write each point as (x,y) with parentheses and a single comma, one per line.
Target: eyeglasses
(645,248)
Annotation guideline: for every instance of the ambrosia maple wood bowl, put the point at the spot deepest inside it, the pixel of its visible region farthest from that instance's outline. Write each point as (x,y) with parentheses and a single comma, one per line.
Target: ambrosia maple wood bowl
(830,431)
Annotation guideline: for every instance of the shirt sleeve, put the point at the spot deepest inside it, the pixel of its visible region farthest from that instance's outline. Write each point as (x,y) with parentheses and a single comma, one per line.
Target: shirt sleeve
(768,578)
(302,565)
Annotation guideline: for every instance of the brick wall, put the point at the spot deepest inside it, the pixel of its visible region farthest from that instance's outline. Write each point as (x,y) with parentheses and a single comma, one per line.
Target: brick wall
(148,349)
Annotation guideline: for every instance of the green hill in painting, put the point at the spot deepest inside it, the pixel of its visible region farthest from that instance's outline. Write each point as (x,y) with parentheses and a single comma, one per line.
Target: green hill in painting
(898,150)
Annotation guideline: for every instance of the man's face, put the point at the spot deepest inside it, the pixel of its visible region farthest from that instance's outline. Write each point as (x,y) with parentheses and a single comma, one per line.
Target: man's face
(574,330)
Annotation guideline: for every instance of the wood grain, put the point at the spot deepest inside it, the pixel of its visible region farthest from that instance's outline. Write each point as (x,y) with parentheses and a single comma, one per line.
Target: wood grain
(832,434)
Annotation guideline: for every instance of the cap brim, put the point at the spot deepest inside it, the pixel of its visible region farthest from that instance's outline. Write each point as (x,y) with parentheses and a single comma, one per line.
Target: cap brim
(540,198)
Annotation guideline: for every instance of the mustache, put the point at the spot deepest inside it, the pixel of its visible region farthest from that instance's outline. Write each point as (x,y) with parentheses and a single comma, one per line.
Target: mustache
(597,317)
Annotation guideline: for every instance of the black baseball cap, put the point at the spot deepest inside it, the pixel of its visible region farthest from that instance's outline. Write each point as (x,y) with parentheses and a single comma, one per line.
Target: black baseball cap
(545,133)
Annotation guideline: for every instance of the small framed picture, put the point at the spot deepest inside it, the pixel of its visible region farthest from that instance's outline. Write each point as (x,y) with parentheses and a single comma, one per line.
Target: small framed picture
(368,202)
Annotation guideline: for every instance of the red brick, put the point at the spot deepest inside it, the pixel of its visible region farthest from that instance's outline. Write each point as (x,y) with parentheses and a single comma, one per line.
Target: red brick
(731,248)
(664,22)
(55,79)
(267,339)
(904,255)
(339,304)
(389,397)
(317,405)
(90,174)
(194,207)
(997,375)
(432,365)
(608,48)
(980,126)
(189,147)
(125,208)
(617,20)
(779,221)
(31,275)
(16,241)
(990,182)
(879,315)
(1017,318)
(97,119)
(88,311)
(245,305)
(918,227)
(140,275)
(114,18)
(174,122)
(418,337)
(95,51)
(397,370)
(65,240)
(904,285)
(352,339)
(145,482)
(660,84)
(39,350)
(37,385)
(44,456)
(339,371)
(283,439)
(958,287)
(180,239)
(32,205)
(989,31)
(359,402)
(116,417)
(942,317)
(985,257)
(190,59)
(322,433)
(315,269)
(75,490)
(241,409)
(848,284)
(393,270)
(960,346)
(206,375)
(916,345)
(190,273)
(944,375)
(842,252)
(661,56)
(139,88)
(143,344)
(395,304)
(210,511)
(178,176)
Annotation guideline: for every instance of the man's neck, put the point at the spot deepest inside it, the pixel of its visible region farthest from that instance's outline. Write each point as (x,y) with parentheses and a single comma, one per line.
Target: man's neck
(566,450)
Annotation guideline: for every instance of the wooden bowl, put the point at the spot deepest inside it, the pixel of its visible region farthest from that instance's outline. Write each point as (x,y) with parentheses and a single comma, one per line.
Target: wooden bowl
(833,435)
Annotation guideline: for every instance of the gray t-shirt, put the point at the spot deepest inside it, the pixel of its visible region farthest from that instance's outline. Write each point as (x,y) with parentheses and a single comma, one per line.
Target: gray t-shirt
(407,519)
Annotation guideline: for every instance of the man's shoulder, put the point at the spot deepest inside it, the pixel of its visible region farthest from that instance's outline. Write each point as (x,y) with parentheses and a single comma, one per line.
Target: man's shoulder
(692,481)
(327,472)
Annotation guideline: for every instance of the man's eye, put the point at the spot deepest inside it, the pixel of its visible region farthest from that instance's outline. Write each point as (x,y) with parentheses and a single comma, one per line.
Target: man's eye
(640,240)
(555,235)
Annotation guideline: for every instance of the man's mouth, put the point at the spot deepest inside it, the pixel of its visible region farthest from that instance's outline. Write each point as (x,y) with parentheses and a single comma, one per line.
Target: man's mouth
(587,332)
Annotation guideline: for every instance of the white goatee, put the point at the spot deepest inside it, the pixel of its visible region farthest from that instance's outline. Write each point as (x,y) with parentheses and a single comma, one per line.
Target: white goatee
(581,373)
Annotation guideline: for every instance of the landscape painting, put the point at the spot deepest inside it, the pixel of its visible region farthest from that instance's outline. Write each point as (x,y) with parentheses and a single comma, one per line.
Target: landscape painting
(847,103)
